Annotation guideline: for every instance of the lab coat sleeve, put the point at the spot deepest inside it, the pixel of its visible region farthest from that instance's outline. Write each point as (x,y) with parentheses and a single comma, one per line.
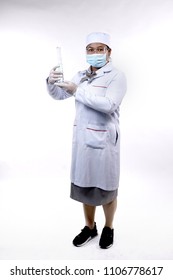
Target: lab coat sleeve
(57,92)
(108,103)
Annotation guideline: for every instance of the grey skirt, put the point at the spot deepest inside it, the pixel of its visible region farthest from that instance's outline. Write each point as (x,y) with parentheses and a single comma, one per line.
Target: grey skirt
(92,196)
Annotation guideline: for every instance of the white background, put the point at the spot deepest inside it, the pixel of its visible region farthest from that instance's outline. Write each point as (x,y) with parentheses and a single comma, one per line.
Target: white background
(38,220)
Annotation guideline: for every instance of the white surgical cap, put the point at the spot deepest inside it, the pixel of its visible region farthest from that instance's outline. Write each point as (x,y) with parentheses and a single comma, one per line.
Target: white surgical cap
(98,37)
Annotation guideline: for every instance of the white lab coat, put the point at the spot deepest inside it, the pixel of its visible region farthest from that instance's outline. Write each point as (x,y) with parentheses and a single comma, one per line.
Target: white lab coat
(96,136)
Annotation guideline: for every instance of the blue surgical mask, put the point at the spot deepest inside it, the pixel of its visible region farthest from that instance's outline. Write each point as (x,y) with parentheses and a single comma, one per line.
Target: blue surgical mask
(96,60)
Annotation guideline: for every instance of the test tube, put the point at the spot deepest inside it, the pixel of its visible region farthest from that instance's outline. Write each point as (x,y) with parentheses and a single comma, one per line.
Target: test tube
(59,66)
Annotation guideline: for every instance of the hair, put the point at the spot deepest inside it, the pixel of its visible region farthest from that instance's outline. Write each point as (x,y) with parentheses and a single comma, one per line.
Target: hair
(109,49)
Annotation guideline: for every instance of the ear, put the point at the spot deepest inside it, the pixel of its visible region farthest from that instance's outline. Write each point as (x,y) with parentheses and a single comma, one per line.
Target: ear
(109,55)
(109,51)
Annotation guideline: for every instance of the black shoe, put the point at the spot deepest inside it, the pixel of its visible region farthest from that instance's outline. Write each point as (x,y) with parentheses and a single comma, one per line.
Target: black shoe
(107,238)
(86,235)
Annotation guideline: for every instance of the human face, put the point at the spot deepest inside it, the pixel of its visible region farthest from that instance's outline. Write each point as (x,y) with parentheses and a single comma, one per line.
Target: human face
(98,48)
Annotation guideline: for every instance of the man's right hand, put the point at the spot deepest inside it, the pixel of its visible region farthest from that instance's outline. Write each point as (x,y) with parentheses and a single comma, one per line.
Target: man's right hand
(54,75)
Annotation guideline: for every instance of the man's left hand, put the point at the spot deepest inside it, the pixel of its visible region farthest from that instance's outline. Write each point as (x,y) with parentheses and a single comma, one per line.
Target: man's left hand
(68,86)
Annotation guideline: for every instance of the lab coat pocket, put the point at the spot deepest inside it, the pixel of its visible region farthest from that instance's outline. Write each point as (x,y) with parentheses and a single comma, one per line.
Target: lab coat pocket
(96,136)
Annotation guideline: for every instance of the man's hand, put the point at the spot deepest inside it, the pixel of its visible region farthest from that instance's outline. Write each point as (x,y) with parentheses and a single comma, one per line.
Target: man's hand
(68,86)
(54,75)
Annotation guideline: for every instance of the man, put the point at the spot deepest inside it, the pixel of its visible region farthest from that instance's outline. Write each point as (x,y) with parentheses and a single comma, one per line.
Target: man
(95,165)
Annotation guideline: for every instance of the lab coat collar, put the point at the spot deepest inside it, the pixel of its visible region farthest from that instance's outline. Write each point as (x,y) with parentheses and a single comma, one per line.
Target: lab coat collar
(105,69)
(90,76)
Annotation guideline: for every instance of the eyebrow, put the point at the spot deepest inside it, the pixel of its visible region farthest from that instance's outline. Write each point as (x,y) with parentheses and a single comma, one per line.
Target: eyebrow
(100,46)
